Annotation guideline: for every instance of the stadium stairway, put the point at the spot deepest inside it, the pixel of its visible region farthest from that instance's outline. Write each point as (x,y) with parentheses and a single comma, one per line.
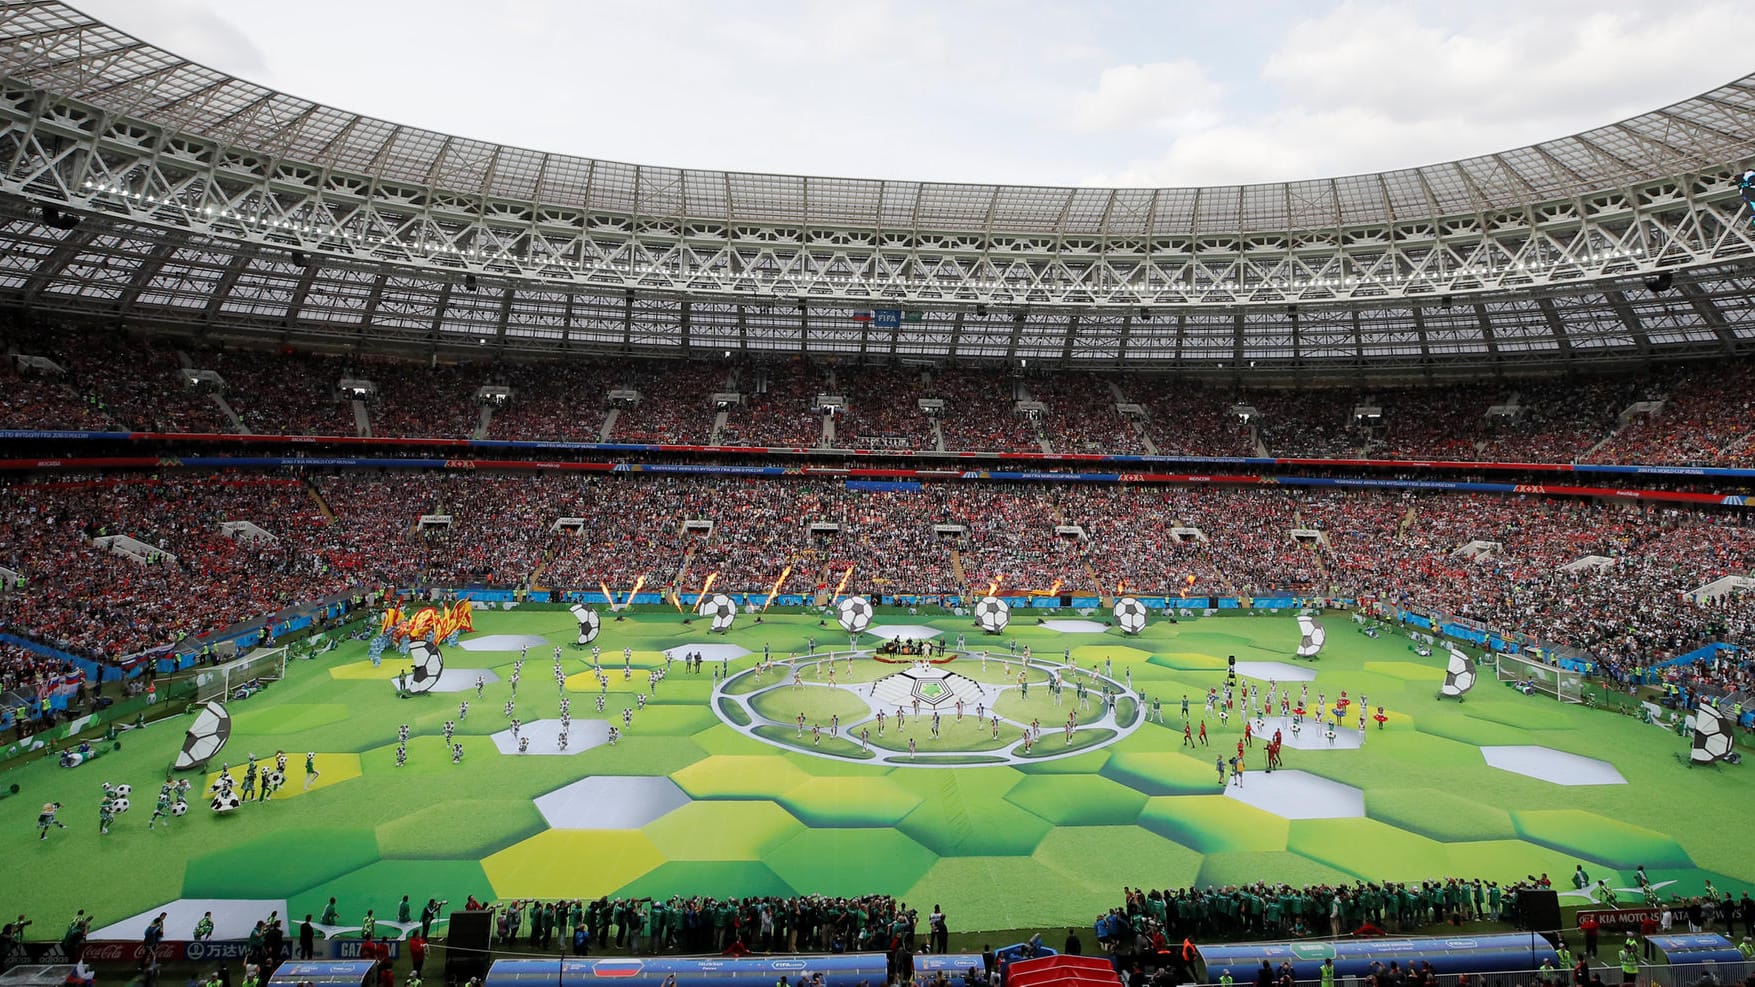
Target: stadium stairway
(957,571)
(609,420)
(487,419)
(1062,971)
(362,422)
(231,415)
(318,499)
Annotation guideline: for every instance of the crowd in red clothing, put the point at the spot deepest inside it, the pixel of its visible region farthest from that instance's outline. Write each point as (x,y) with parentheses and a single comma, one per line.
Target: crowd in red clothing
(112,380)
(356,528)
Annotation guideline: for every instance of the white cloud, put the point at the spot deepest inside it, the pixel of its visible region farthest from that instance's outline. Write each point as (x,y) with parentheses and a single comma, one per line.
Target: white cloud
(191,28)
(1369,86)
(1165,96)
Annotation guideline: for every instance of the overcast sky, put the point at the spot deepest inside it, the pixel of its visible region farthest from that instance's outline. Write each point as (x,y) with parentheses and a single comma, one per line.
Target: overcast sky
(1097,92)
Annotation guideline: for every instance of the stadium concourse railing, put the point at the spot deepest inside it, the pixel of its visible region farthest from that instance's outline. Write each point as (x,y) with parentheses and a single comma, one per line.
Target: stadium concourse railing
(1126,463)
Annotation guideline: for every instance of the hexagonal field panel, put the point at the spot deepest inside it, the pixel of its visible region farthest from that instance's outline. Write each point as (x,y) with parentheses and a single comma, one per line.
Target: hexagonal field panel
(1278,671)
(850,862)
(1604,840)
(279,864)
(544,736)
(233,918)
(1298,795)
(1162,773)
(1368,849)
(1439,814)
(560,863)
(687,877)
(709,651)
(740,776)
(850,802)
(1550,765)
(1078,801)
(722,831)
(611,802)
(452,828)
(1074,626)
(504,642)
(1213,823)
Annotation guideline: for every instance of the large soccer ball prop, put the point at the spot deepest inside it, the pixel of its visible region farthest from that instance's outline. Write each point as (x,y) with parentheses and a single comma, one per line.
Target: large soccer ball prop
(992,614)
(1713,736)
(589,624)
(720,610)
(1130,615)
(1310,636)
(122,791)
(274,779)
(179,808)
(1459,675)
(118,805)
(428,664)
(854,613)
(211,729)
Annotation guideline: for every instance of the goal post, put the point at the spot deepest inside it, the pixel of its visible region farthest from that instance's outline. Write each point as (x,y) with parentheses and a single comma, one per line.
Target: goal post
(233,679)
(1563,684)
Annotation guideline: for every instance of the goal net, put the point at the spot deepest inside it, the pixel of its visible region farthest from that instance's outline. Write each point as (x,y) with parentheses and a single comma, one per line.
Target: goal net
(1540,677)
(238,679)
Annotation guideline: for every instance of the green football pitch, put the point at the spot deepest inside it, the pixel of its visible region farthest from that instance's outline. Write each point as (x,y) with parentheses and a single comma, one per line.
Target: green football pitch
(714,788)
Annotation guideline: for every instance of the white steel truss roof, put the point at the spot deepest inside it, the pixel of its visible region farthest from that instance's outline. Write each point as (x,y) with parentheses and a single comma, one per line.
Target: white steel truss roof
(208,197)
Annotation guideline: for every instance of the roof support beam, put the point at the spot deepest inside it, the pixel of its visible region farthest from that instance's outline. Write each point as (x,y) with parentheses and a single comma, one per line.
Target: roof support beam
(1558,326)
(70,247)
(1623,310)
(148,269)
(1709,314)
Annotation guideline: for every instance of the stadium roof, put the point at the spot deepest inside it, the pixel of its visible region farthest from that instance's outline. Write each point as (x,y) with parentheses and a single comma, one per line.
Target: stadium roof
(189,193)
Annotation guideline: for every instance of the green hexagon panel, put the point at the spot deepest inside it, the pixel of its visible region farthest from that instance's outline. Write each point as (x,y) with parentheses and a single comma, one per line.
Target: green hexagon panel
(279,865)
(1188,661)
(1438,814)
(739,776)
(848,802)
(1407,671)
(379,885)
(1078,801)
(1162,773)
(1606,841)
(1368,849)
(970,817)
(1247,867)
(1100,859)
(718,878)
(1213,823)
(1467,729)
(1089,762)
(722,830)
(851,862)
(471,828)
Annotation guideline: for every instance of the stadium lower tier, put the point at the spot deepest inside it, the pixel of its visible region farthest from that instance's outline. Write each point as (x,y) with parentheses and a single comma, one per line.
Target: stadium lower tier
(108,566)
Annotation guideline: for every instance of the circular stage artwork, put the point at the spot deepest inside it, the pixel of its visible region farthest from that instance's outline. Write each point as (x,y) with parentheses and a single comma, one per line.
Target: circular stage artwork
(970,710)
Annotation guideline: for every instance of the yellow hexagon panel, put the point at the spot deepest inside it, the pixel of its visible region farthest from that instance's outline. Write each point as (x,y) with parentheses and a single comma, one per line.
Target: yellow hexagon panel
(571,863)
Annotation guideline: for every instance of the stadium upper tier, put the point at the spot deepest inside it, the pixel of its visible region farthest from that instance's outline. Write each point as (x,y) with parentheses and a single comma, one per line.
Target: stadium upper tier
(178,193)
